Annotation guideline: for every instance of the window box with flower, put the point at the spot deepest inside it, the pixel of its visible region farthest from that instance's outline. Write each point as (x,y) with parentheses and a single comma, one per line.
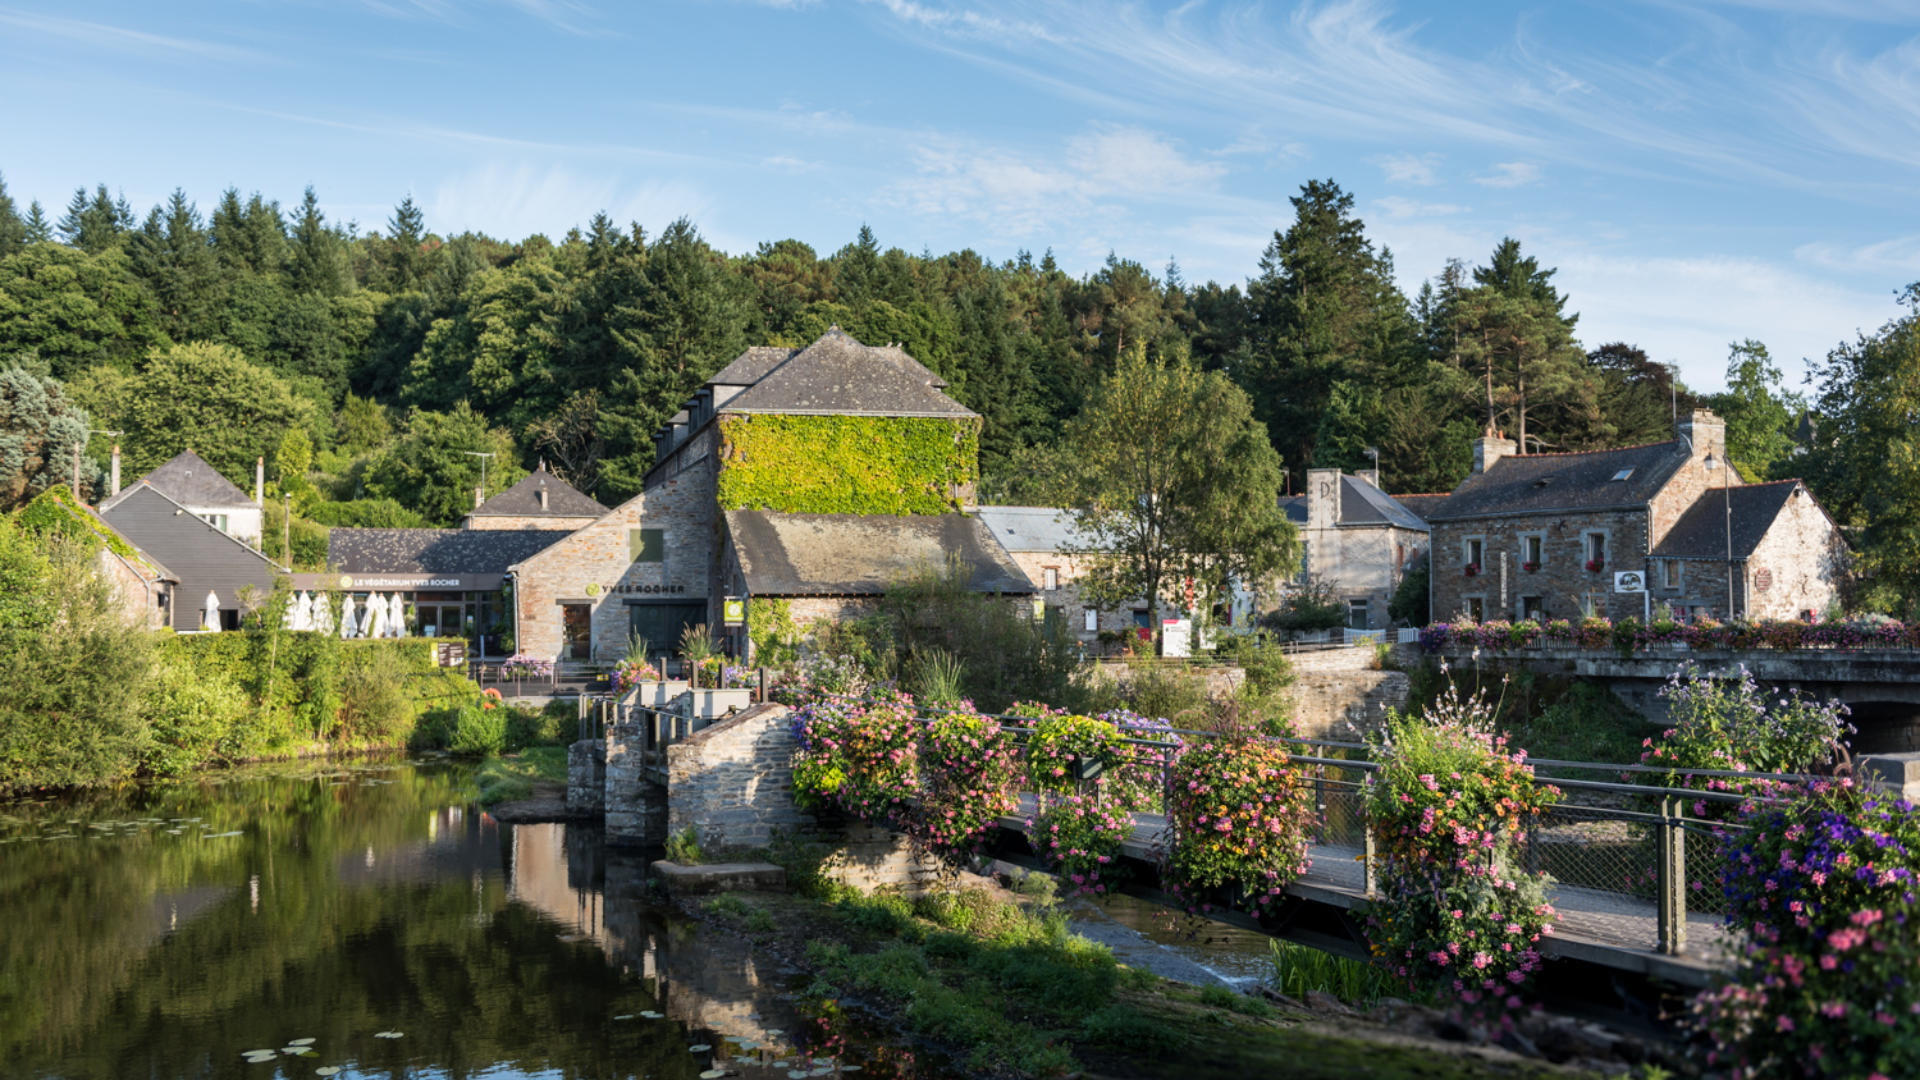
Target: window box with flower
(1594,566)
(1473,569)
(1530,567)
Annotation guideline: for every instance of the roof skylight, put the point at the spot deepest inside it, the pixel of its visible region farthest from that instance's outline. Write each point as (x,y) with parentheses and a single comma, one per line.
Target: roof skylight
(1623,474)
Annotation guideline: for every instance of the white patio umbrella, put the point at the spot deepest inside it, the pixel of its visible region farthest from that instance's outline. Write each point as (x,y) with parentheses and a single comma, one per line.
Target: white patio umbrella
(210,617)
(397,617)
(376,624)
(320,614)
(349,627)
(291,620)
(303,611)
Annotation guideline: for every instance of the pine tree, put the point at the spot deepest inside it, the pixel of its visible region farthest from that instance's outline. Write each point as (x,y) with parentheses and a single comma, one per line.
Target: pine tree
(39,229)
(856,273)
(13,230)
(317,262)
(94,223)
(402,258)
(1324,309)
(171,253)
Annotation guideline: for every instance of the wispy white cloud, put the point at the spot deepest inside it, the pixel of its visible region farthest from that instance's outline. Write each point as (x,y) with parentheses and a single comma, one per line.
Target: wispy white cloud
(966,21)
(520,199)
(1510,174)
(1899,255)
(790,164)
(1396,206)
(1421,169)
(1019,194)
(121,39)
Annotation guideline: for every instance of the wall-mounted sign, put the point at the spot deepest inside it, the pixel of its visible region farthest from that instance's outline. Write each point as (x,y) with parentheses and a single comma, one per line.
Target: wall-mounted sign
(1629,581)
(1762,579)
(733,611)
(593,588)
(1039,609)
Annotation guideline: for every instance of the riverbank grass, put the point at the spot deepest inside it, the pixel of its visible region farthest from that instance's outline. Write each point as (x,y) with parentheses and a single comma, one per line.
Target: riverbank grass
(1003,985)
(511,777)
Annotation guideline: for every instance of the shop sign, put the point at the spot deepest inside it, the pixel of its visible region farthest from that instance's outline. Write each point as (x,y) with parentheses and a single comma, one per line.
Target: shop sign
(733,611)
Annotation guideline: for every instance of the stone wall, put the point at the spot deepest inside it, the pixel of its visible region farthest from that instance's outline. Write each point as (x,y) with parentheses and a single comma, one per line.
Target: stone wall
(594,566)
(1360,561)
(1065,601)
(587,776)
(1340,705)
(636,803)
(1797,567)
(1561,581)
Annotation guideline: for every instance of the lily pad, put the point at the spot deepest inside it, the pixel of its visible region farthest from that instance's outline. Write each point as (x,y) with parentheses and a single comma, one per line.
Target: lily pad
(699,1048)
(713,1074)
(387,1034)
(624,1016)
(309,1041)
(258,1053)
(326,1070)
(651,1015)
(796,1074)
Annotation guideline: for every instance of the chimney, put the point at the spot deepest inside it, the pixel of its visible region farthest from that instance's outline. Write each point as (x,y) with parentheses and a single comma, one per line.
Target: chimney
(1489,448)
(1704,434)
(1323,498)
(1371,476)
(260,482)
(479,496)
(113,473)
(543,496)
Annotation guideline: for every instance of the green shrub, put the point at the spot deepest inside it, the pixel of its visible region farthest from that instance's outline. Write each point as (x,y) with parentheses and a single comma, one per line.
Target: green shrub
(1298,970)
(478,731)
(373,695)
(1121,1027)
(554,724)
(683,847)
(187,714)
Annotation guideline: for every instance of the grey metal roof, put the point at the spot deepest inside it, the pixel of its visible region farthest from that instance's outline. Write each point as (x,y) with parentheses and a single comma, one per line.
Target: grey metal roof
(1363,504)
(523,499)
(435,551)
(1553,483)
(1360,504)
(188,480)
(1035,528)
(1702,531)
(838,375)
(862,554)
(751,366)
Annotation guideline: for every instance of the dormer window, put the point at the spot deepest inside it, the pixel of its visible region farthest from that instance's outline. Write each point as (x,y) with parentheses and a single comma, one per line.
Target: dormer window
(1624,474)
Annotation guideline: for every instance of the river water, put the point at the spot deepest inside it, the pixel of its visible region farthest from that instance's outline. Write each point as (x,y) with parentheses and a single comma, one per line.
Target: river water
(165,931)
(366,917)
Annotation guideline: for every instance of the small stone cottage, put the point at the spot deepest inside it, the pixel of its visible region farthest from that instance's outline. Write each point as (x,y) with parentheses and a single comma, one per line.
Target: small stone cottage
(1357,539)
(1546,536)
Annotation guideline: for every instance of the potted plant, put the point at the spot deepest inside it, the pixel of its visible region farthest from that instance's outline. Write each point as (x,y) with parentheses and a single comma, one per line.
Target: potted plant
(1596,565)
(1473,569)
(1530,567)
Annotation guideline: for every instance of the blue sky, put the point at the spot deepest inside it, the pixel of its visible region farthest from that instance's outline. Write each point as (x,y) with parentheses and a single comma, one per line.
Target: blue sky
(1699,172)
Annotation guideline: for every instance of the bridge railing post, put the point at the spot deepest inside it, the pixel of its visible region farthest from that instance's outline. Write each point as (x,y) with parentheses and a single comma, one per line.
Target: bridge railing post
(586,731)
(1670,877)
(1369,872)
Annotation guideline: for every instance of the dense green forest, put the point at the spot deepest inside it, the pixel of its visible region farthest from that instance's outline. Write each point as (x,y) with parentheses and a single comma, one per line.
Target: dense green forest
(370,367)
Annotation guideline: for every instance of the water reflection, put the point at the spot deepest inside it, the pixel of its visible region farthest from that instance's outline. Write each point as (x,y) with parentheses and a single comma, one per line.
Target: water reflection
(164,931)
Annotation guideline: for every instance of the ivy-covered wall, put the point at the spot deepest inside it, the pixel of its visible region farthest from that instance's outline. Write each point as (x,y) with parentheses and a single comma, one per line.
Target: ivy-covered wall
(848,464)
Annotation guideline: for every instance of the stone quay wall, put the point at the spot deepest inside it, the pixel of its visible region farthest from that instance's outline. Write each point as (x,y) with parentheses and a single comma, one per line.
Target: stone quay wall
(587,776)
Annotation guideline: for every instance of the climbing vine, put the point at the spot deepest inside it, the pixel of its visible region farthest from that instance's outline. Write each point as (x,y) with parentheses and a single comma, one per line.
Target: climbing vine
(848,464)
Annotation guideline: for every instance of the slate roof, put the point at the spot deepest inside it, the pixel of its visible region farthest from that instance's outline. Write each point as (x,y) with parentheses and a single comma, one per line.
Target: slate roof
(1360,504)
(435,551)
(752,366)
(1422,505)
(1556,483)
(523,499)
(861,554)
(1035,528)
(188,480)
(1701,532)
(837,375)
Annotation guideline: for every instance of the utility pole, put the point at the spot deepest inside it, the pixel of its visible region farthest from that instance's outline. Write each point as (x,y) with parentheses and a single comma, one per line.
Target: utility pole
(91,432)
(286,529)
(483,469)
(1726,500)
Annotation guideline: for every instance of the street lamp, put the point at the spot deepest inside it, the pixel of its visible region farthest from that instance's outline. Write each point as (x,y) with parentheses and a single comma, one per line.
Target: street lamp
(82,441)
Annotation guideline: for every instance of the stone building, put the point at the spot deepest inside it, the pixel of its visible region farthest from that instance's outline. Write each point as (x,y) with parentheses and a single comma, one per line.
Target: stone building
(1543,535)
(541,501)
(1051,550)
(835,429)
(1356,539)
(198,487)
